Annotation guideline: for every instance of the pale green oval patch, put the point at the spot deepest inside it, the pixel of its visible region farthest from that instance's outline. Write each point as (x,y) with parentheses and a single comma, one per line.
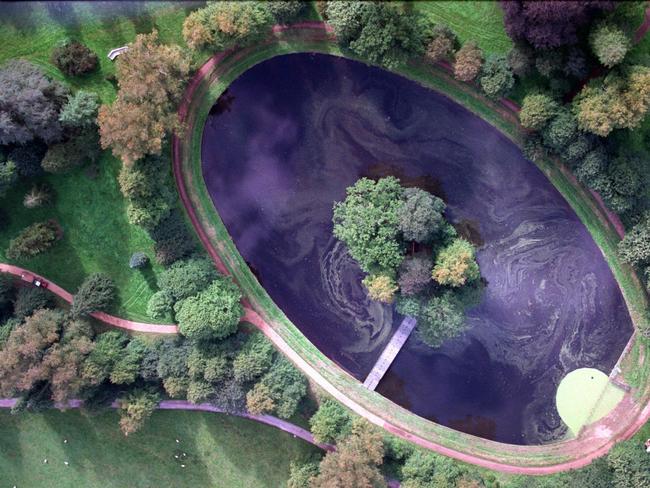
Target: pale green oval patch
(584,396)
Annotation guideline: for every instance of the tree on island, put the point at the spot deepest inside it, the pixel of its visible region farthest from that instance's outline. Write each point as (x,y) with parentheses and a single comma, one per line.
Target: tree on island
(379,221)
(367,222)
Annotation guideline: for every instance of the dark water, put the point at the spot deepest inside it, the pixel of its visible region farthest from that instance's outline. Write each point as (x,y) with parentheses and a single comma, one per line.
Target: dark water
(293,132)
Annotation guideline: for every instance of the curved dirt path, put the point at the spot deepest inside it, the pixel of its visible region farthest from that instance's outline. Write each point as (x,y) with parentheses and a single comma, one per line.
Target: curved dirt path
(278,423)
(101,316)
(593,442)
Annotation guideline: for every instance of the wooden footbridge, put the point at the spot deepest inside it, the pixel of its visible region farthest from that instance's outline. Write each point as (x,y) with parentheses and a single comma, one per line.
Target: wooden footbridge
(389,353)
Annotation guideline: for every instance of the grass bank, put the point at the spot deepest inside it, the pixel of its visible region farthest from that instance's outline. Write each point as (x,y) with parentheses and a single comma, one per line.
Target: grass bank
(440,438)
(89,205)
(221,451)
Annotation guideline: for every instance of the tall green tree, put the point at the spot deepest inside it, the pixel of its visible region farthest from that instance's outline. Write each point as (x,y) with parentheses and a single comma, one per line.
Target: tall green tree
(367,222)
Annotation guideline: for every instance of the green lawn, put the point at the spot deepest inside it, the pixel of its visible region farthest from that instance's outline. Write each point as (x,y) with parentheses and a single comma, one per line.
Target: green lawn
(91,210)
(222,451)
(472,21)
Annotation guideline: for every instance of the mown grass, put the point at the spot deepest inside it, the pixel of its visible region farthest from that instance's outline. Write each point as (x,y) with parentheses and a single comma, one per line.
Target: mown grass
(471,21)
(91,210)
(222,451)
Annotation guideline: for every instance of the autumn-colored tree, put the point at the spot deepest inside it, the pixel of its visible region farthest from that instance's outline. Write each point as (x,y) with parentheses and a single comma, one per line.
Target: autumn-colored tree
(46,348)
(151,78)
(442,44)
(609,43)
(259,400)
(469,60)
(456,265)
(380,287)
(355,462)
(221,25)
(135,408)
(536,110)
(615,102)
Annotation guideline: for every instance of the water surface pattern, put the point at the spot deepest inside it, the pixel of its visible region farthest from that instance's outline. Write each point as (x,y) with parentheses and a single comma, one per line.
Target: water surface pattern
(283,143)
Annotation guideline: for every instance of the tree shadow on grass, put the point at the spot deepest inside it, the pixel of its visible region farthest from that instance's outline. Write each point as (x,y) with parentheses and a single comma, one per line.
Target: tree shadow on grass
(149,277)
(10,451)
(19,15)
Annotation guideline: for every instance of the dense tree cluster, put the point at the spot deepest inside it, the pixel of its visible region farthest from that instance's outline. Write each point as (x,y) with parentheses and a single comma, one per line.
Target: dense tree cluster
(151,77)
(379,221)
(221,25)
(381,32)
(549,24)
(49,355)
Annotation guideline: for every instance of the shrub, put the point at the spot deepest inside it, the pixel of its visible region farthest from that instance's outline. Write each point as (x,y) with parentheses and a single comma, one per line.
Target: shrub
(29,104)
(442,45)
(283,385)
(127,368)
(330,423)
(421,215)
(186,278)
(30,299)
(302,475)
(74,59)
(456,265)
(33,240)
(520,59)
(65,156)
(254,359)
(39,196)
(135,408)
(221,25)
(414,275)
(380,287)
(560,131)
(28,159)
(469,60)
(537,110)
(212,313)
(441,318)
(160,305)
(81,110)
(575,63)
(355,462)
(609,44)
(635,246)
(138,260)
(8,176)
(548,63)
(576,149)
(96,293)
(496,78)
(109,348)
(285,11)
(172,240)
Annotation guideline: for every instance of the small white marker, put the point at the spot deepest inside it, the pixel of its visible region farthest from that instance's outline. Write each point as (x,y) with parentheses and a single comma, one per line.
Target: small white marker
(182,465)
(66,463)
(177,441)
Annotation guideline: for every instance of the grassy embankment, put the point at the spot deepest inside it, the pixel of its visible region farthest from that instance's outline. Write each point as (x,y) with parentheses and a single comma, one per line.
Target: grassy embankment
(438,79)
(89,205)
(221,451)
